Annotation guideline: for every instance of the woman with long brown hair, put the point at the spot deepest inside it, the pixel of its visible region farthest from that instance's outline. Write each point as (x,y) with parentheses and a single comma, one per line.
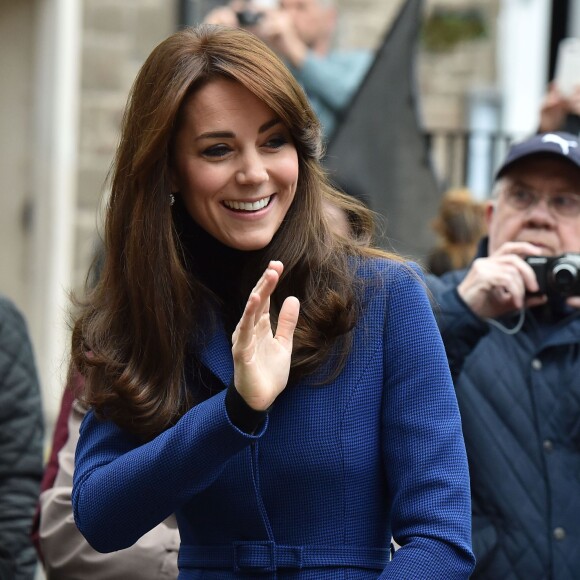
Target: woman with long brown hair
(328,422)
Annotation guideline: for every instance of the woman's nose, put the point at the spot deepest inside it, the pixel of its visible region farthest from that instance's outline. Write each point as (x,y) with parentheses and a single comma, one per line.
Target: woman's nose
(252,170)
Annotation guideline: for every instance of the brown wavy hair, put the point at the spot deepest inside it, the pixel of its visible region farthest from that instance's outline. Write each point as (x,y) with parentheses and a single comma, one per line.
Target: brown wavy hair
(459,225)
(131,329)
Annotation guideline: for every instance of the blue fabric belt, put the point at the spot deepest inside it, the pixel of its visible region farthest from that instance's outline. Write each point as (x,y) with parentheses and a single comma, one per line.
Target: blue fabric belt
(268,557)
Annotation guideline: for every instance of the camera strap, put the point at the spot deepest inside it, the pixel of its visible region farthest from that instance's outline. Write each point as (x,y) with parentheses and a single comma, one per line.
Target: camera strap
(505,329)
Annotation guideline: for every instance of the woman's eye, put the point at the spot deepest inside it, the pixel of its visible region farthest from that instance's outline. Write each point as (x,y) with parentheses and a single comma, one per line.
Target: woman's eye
(216,151)
(276,142)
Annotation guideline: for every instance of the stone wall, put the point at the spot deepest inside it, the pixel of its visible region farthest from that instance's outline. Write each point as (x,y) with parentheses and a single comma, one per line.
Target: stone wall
(447,77)
(16,96)
(117,37)
(362,23)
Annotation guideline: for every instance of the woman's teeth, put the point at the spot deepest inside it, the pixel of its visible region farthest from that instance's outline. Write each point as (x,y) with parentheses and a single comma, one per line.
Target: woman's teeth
(248,206)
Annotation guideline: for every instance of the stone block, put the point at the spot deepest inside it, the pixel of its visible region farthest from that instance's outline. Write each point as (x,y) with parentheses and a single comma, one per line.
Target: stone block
(102,63)
(100,126)
(152,24)
(91,186)
(105,17)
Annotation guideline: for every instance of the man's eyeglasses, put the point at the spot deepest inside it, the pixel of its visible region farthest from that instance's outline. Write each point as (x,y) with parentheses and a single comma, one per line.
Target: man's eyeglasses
(564,204)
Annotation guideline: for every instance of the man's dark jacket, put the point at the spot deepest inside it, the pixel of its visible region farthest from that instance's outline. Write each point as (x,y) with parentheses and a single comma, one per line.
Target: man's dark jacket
(519,397)
(21,443)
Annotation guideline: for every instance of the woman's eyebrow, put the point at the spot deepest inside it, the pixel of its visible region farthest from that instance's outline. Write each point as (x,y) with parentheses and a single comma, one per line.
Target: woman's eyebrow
(216,135)
(231,135)
(269,124)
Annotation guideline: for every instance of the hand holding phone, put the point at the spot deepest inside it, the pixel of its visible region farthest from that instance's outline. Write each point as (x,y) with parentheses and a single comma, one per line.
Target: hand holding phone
(567,76)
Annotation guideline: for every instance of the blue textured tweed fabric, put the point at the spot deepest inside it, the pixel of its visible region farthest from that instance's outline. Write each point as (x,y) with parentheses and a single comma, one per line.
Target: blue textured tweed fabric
(335,470)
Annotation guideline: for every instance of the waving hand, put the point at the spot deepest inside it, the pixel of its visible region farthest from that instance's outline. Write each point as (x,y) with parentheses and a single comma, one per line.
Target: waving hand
(262,358)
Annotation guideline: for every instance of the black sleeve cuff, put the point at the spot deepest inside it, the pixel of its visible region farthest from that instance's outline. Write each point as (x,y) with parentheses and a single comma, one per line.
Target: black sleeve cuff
(241,414)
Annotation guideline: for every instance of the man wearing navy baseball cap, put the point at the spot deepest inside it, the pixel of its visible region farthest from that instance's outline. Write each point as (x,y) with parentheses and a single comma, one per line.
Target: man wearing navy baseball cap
(511,327)
(560,145)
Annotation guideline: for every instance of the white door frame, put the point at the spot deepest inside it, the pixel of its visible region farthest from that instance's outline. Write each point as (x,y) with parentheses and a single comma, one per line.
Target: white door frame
(56,116)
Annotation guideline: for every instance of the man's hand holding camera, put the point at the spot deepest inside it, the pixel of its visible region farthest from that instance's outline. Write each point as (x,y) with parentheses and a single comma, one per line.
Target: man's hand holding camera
(237,13)
(274,26)
(502,282)
(515,276)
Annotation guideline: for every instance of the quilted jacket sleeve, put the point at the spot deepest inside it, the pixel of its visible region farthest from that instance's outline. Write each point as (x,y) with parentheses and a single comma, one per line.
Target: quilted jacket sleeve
(460,328)
(21,440)
(335,78)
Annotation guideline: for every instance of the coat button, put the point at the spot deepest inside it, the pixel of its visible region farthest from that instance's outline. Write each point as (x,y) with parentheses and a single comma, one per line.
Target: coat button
(559,533)
(547,445)
(536,364)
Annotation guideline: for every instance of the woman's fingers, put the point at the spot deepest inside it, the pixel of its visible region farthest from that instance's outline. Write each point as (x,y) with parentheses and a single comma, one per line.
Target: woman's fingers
(287,321)
(266,285)
(244,332)
(258,303)
(269,282)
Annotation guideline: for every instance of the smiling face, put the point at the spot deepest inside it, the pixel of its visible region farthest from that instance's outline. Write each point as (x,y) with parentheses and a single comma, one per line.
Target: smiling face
(234,164)
(538,224)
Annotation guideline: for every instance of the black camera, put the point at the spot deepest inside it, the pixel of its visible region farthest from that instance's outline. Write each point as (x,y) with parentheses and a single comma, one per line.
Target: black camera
(248,17)
(557,275)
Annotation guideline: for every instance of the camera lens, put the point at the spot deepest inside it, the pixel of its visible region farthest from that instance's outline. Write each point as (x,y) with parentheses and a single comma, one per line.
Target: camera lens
(248,17)
(564,276)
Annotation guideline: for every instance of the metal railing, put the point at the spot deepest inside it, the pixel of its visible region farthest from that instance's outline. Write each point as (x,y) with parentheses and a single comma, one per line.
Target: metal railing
(467,158)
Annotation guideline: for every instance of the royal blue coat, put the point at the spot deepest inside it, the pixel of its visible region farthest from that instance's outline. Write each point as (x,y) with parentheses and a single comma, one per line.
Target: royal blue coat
(334,471)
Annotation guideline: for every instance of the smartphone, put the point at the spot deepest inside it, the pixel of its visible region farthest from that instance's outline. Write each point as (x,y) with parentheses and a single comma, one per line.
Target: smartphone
(567,75)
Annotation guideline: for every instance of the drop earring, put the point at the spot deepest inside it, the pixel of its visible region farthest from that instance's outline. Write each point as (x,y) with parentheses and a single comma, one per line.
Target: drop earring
(171,199)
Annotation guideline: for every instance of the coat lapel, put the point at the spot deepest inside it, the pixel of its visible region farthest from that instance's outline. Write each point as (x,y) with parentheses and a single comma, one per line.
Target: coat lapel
(216,355)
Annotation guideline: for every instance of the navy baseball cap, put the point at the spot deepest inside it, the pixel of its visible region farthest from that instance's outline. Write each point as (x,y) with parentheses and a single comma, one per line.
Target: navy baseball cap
(564,145)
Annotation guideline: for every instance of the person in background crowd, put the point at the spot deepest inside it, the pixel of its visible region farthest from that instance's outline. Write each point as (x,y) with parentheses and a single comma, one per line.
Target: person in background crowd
(63,551)
(558,112)
(328,422)
(515,358)
(302,33)
(21,445)
(459,225)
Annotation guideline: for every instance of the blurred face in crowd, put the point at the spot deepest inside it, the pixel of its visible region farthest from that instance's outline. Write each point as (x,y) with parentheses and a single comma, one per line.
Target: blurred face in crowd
(537,201)
(234,164)
(313,19)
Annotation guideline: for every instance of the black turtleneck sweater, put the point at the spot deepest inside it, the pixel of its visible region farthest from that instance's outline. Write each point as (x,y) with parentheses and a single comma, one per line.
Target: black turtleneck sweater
(225,272)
